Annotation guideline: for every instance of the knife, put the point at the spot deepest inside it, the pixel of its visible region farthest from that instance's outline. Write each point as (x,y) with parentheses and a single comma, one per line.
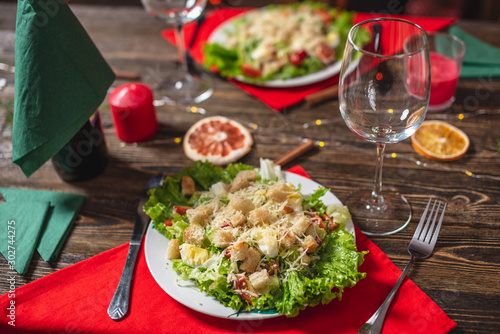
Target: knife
(118,307)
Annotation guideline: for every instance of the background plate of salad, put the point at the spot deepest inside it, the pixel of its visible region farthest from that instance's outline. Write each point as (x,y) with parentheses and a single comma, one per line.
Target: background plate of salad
(186,292)
(280,45)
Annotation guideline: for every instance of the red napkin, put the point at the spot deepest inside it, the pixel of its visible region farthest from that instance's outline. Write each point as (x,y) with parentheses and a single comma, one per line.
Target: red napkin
(76,299)
(280,98)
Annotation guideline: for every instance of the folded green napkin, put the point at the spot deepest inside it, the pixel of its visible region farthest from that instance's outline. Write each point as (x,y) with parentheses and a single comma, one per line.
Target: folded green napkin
(480,59)
(61,79)
(24,206)
(21,224)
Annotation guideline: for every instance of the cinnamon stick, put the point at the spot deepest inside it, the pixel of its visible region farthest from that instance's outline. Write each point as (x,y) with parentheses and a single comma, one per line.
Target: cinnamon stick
(306,146)
(127,75)
(323,95)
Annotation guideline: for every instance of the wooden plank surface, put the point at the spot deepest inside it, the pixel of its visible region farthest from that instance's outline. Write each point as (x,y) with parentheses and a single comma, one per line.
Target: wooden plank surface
(462,276)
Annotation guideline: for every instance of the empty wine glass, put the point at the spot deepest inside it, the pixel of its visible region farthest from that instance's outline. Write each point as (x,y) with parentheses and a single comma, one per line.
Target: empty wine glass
(384,94)
(178,84)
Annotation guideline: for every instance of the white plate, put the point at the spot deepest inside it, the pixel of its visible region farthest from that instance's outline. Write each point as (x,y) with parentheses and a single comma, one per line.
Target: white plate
(219,35)
(185,292)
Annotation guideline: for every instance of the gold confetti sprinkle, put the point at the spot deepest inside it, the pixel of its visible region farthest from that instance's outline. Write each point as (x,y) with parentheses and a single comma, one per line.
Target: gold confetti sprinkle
(390,111)
(177,140)
(321,144)
(468,173)
(318,122)
(394,155)
(254,126)
(461,116)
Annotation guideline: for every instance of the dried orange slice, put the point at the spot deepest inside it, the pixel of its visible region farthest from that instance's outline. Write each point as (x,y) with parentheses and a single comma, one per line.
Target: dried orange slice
(217,139)
(439,140)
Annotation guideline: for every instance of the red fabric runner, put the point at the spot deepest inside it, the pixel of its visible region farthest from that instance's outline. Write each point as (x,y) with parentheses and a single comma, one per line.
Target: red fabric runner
(75,300)
(280,98)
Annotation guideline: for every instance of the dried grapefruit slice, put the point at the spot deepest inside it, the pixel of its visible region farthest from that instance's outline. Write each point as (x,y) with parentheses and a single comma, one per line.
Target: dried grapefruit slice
(440,141)
(217,139)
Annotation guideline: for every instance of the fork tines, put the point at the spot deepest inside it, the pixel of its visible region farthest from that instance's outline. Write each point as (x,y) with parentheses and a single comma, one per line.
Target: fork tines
(426,232)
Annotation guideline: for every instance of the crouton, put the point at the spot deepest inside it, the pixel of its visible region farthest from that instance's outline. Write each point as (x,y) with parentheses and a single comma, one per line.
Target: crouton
(259,279)
(241,203)
(288,240)
(238,183)
(194,234)
(238,251)
(237,219)
(199,215)
(173,251)
(278,192)
(222,239)
(309,244)
(301,225)
(251,261)
(259,216)
(213,207)
(250,174)
(288,209)
(188,186)
(242,180)
(311,230)
(305,260)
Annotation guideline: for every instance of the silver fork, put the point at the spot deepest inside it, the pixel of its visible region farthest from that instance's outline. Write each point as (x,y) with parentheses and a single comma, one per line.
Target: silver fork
(421,247)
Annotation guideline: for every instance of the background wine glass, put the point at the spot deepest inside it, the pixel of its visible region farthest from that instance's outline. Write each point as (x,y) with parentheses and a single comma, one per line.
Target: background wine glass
(383,96)
(177,83)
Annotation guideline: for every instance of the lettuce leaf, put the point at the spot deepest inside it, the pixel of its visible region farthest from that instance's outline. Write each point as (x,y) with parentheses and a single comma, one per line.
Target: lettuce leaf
(334,264)
(313,201)
(336,268)
(162,200)
(211,282)
(176,231)
(339,260)
(226,61)
(339,213)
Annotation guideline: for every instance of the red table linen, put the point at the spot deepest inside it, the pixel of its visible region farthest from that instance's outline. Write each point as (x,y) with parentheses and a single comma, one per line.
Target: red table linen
(281,98)
(75,300)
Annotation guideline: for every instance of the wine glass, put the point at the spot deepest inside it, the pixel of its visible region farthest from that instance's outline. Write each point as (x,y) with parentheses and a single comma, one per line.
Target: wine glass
(178,84)
(384,94)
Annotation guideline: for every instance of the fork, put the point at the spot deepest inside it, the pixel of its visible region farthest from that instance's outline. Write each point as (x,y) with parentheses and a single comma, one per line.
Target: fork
(420,247)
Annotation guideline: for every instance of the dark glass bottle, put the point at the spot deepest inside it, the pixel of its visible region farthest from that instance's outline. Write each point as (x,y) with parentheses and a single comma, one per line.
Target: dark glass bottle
(85,155)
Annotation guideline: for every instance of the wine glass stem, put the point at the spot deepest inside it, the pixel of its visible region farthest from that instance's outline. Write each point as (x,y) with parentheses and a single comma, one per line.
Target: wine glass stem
(377,198)
(179,37)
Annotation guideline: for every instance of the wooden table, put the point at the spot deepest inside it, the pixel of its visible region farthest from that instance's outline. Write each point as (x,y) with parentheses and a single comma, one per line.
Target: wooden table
(462,276)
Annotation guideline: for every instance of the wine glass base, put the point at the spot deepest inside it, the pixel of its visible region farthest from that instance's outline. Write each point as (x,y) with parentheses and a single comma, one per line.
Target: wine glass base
(183,88)
(389,218)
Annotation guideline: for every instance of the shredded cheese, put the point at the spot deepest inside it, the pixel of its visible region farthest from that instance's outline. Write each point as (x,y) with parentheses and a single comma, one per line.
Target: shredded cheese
(270,223)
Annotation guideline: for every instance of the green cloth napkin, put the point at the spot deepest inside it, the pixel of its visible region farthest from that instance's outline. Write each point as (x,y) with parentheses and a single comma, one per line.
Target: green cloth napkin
(63,210)
(21,226)
(61,79)
(480,59)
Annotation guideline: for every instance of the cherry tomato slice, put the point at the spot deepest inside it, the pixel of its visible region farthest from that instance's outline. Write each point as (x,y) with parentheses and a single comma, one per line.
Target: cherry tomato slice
(297,57)
(250,71)
(181,209)
(324,15)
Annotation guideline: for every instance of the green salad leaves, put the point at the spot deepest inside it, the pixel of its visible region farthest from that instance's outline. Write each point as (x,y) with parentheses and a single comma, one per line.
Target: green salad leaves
(290,287)
(280,42)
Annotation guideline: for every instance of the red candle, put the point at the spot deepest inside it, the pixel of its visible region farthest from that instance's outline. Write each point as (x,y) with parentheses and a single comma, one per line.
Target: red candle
(133,112)
(444,78)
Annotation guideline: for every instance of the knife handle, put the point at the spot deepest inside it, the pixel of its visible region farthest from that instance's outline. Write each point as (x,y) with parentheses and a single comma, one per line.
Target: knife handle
(119,303)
